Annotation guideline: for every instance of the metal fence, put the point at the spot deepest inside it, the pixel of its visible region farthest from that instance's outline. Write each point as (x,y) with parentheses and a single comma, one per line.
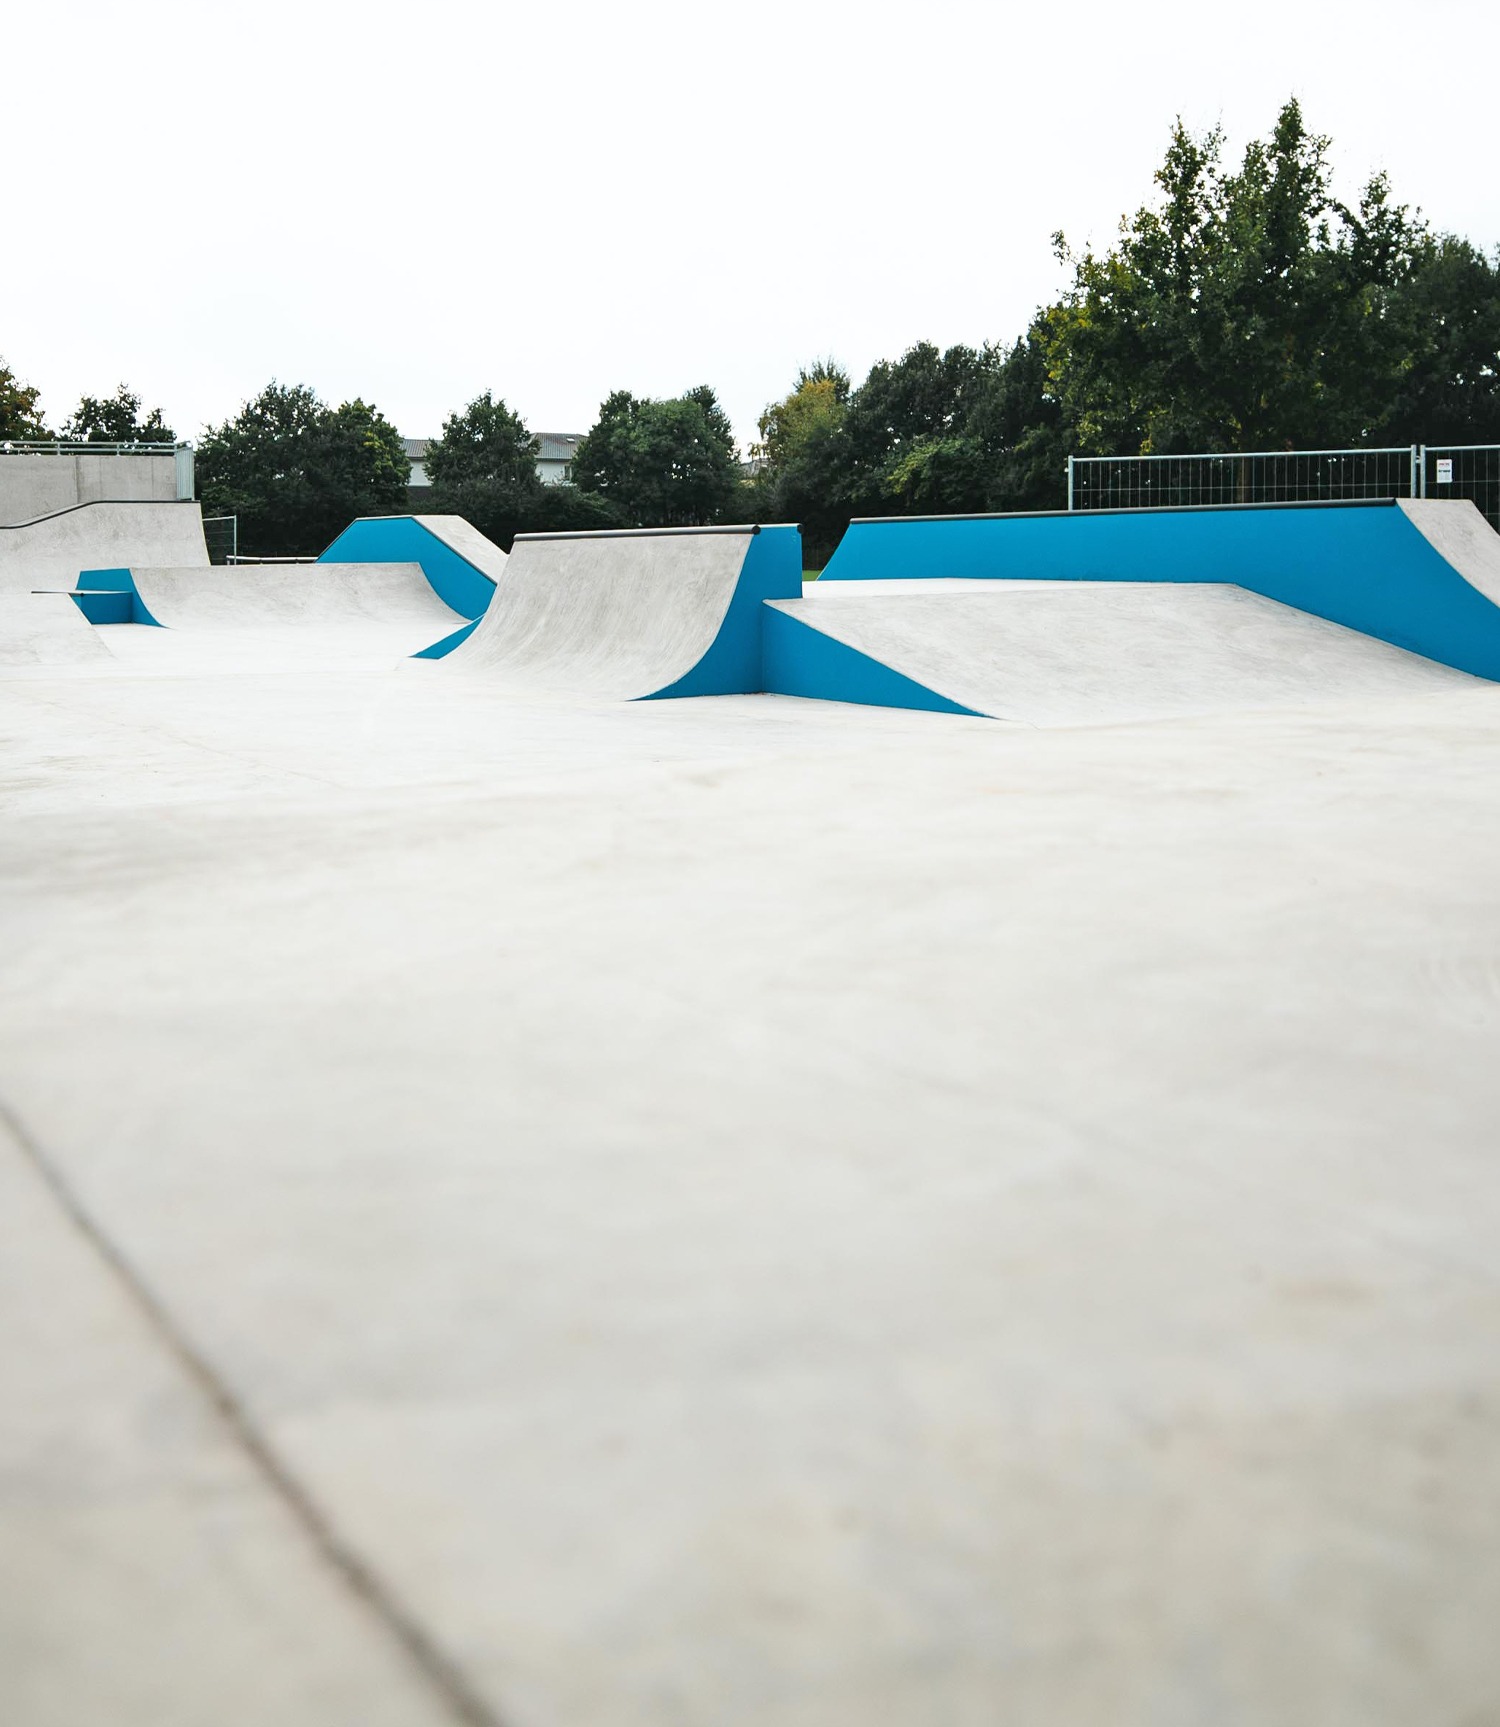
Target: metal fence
(1288,477)
(222,535)
(1255,477)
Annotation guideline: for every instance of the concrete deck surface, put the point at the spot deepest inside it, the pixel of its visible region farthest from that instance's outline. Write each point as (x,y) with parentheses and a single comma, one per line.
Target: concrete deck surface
(743,1211)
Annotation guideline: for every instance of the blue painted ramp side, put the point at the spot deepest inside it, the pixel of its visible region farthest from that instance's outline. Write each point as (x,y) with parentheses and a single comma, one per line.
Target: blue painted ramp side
(440,649)
(459,584)
(732,666)
(116,584)
(1364,565)
(799,660)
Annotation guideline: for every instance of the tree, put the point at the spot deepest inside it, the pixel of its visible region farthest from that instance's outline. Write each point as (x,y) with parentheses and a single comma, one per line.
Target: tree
(1245,310)
(1021,431)
(665,463)
(296,471)
(19,415)
(483,468)
(817,402)
(1450,391)
(116,419)
(935,431)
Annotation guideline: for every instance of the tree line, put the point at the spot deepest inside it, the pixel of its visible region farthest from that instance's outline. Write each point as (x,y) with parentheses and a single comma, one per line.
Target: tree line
(1244,306)
(115,419)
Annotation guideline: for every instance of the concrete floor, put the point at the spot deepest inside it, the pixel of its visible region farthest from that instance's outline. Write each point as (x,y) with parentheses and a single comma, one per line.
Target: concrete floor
(743,1211)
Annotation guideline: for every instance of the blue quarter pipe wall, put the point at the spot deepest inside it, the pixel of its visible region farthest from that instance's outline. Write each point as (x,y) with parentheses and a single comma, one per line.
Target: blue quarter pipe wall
(772,570)
(1363,565)
(404,540)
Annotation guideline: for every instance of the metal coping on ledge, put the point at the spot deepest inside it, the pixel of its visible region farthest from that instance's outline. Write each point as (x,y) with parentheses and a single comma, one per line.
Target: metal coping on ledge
(111,503)
(1140,510)
(654,533)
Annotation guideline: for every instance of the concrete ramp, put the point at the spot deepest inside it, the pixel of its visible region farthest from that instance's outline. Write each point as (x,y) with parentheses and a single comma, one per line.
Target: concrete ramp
(52,551)
(1461,537)
(633,615)
(263,616)
(1051,653)
(1422,574)
(46,630)
(294,596)
(460,564)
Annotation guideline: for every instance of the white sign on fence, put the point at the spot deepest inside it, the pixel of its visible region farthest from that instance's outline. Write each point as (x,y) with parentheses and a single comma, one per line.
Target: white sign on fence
(1445,470)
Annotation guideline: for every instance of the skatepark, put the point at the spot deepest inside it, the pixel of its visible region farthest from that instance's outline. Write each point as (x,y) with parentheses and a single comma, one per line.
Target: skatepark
(598,1134)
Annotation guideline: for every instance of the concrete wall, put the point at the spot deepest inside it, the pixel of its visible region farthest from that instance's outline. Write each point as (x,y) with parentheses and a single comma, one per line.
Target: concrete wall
(40,485)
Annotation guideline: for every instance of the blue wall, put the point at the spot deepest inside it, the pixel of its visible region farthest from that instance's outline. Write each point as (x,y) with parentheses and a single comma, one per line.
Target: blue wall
(772,570)
(110,597)
(442,648)
(404,540)
(802,661)
(1363,565)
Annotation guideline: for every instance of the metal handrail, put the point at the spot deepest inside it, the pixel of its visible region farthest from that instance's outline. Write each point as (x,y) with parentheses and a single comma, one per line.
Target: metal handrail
(83,447)
(1243,455)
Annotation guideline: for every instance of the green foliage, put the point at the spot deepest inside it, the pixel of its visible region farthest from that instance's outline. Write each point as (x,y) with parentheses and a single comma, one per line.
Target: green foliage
(1449,392)
(564,509)
(934,432)
(296,472)
(816,403)
(116,419)
(1248,309)
(20,416)
(1245,308)
(483,468)
(662,464)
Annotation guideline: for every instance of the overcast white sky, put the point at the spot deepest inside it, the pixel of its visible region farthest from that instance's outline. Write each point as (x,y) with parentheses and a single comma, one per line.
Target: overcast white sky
(417,202)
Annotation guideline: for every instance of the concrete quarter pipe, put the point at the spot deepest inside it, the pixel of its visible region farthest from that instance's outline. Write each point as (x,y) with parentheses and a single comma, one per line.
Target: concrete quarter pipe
(633,615)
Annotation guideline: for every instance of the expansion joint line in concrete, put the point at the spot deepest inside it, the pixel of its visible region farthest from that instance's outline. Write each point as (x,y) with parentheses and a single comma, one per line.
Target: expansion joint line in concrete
(441,1673)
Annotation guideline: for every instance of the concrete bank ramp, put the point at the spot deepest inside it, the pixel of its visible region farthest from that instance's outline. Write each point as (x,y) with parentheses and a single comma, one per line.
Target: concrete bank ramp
(396,597)
(460,564)
(1422,574)
(46,630)
(633,615)
(51,551)
(1050,653)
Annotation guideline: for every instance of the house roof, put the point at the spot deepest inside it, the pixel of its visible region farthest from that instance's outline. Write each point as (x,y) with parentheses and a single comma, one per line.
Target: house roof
(553,446)
(557,446)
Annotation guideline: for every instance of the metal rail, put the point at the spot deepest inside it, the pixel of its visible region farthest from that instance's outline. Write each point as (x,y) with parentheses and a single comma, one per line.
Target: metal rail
(84,447)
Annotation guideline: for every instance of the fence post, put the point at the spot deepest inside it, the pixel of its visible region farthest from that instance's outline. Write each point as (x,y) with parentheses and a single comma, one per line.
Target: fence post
(1070,485)
(1418,471)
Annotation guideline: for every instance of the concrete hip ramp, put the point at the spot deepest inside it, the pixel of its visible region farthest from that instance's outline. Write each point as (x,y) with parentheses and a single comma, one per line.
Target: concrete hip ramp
(633,615)
(1059,653)
(52,551)
(46,630)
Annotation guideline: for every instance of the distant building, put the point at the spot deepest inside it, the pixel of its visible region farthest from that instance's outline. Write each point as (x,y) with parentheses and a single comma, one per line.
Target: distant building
(554,462)
(416,454)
